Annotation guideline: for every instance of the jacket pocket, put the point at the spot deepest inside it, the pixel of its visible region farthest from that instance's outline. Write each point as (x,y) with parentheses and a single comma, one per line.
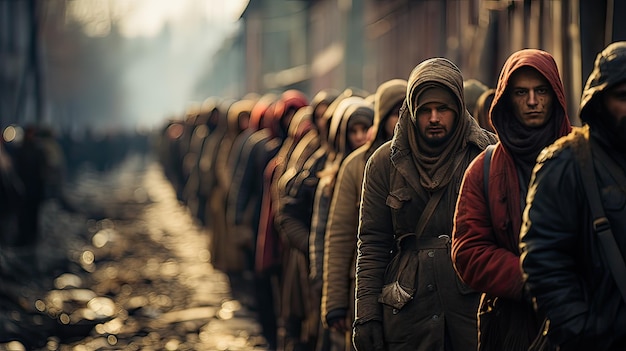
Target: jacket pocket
(400,277)
(397,198)
(398,201)
(396,295)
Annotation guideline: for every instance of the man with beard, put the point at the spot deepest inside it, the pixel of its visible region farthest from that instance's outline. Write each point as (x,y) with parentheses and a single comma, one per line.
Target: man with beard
(410,188)
(569,272)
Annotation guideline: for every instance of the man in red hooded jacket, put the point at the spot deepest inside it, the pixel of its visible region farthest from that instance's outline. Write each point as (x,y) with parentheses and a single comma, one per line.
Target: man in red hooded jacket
(528,113)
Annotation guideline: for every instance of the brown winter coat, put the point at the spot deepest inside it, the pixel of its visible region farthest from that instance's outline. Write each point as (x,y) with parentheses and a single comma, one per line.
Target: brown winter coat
(393,197)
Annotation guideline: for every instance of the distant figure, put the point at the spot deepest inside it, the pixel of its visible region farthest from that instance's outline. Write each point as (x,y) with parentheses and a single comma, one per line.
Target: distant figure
(30,165)
(343,219)
(472,90)
(54,165)
(481,110)
(11,196)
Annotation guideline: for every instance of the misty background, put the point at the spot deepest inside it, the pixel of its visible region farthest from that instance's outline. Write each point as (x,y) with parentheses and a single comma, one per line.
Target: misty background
(111,65)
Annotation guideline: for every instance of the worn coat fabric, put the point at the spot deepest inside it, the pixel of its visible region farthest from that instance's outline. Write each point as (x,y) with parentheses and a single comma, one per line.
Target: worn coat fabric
(195,191)
(340,149)
(223,252)
(485,244)
(442,310)
(268,248)
(208,160)
(562,259)
(485,241)
(340,242)
(293,220)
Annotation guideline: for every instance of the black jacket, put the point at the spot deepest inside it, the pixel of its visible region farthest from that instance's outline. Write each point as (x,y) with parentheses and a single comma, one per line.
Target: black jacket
(562,258)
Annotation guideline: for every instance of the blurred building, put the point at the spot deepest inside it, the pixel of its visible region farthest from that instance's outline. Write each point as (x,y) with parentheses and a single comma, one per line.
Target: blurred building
(20,90)
(314,44)
(302,44)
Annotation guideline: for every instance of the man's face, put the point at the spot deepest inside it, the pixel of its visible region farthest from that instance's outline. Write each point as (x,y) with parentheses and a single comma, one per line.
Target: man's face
(435,122)
(531,97)
(615,103)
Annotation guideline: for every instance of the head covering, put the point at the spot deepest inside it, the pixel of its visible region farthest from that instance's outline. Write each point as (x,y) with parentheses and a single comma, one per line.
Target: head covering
(361,115)
(473,89)
(388,95)
(259,110)
(521,142)
(339,120)
(437,94)
(481,110)
(332,124)
(291,99)
(609,70)
(324,96)
(208,112)
(236,109)
(433,163)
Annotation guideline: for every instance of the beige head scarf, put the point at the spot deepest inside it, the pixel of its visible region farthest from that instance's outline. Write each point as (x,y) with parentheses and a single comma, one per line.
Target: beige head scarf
(439,79)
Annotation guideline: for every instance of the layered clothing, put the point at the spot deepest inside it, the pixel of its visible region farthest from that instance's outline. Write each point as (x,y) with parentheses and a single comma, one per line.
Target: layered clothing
(293,219)
(207,174)
(349,108)
(400,178)
(224,251)
(340,238)
(194,198)
(485,242)
(566,269)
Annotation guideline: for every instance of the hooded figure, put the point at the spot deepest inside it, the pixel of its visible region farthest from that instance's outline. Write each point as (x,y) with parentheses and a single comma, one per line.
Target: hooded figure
(205,123)
(473,89)
(260,158)
(224,248)
(340,239)
(528,114)
(481,110)
(567,270)
(208,158)
(299,319)
(435,140)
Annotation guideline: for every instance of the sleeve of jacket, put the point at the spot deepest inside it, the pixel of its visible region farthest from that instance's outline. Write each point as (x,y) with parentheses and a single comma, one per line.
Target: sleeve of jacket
(293,216)
(340,244)
(240,191)
(375,237)
(551,231)
(317,237)
(480,261)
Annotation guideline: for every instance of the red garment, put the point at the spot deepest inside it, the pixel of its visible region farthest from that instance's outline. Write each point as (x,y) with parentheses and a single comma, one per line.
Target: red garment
(268,245)
(485,239)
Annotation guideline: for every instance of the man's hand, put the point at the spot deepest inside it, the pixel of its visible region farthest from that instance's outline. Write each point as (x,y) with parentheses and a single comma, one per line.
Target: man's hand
(368,336)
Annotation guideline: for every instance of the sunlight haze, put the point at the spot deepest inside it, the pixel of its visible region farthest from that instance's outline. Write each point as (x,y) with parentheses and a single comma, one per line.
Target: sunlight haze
(146,17)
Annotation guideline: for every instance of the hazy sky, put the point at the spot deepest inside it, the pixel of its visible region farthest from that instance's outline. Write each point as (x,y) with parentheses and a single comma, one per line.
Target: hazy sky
(147,17)
(158,83)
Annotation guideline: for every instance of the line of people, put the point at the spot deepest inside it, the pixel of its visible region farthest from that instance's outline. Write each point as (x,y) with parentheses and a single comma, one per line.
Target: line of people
(387,221)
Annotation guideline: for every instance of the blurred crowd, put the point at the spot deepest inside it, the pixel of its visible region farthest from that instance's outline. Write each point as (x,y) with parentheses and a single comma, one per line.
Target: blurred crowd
(36,165)
(275,179)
